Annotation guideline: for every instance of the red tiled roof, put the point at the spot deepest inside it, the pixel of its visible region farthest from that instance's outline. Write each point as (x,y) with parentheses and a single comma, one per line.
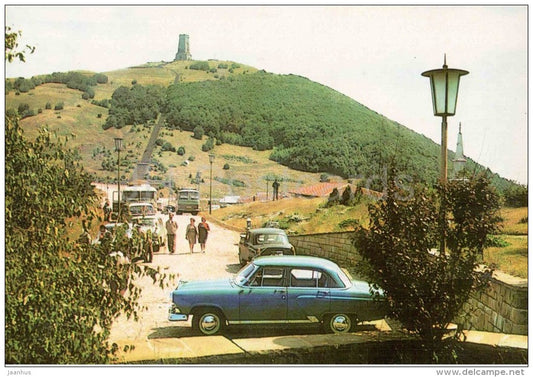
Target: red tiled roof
(319,190)
(325,188)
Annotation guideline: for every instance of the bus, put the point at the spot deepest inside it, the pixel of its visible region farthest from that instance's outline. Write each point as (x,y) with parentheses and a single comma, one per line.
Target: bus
(135,194)
(188,201)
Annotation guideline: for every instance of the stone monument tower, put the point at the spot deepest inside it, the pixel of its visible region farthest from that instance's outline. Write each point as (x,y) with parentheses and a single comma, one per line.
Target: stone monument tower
(184,53)
(459,162)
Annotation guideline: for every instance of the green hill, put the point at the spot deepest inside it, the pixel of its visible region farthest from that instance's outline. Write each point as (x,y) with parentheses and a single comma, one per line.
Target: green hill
(295,122)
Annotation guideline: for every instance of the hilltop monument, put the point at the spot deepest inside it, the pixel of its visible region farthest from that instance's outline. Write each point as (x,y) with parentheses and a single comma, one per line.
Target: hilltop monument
(184,52)
(459,162)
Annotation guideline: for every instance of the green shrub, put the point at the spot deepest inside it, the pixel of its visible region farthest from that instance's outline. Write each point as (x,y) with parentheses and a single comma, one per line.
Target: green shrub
(61,294)
(426,290)
(200,66)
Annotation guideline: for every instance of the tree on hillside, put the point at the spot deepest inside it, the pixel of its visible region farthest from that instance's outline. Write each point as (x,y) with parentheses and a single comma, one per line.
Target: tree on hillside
(426,290)
(198,132)
(11,46)
(61,294)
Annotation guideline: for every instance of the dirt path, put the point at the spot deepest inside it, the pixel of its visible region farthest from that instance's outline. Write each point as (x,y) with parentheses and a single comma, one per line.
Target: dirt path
(220,260)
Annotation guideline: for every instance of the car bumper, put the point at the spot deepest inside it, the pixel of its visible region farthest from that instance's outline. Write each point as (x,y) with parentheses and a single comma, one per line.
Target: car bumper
(177,317)
(174,314)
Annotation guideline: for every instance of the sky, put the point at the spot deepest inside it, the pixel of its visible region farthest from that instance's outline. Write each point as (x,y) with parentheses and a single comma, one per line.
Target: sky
(373,54)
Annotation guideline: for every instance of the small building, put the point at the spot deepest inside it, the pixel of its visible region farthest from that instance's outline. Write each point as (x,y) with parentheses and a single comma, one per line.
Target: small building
(322,190)
(318,190)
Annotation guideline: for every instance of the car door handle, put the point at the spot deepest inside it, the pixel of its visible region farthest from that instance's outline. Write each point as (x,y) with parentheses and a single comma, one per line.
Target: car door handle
(322,293)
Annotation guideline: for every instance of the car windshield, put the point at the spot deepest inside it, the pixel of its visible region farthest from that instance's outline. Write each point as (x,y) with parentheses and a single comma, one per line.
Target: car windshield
(271,238)
(147,222)
(244,274)
(141,209)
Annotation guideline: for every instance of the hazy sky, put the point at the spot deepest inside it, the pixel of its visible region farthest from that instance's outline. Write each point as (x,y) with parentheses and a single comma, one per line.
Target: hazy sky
(373,54)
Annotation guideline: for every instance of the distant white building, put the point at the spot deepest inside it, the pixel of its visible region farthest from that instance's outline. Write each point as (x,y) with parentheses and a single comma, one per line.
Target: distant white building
(229,200)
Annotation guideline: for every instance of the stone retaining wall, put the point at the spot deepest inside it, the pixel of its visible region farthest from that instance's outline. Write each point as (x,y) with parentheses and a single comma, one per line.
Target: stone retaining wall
(500,308)
(334,246)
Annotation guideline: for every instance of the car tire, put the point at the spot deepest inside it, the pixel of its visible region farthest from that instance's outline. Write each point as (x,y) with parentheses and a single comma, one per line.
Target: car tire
(208,321)
(339,323)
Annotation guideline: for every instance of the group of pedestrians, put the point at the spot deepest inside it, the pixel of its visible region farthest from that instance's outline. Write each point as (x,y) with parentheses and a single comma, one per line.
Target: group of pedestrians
(193,233)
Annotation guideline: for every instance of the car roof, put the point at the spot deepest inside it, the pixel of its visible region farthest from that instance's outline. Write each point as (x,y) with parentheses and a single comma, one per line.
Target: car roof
(267,231)
(276,245)
(295,261)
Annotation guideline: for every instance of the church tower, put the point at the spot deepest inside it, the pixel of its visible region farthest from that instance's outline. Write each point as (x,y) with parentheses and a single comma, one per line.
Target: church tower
(184,52)
(459,163)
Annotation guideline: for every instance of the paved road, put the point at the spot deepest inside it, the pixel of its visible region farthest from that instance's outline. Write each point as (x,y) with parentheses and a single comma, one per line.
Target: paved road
(220,261)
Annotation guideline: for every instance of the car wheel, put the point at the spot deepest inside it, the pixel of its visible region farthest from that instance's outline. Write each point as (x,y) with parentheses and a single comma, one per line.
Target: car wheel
(338,323)
(209,322)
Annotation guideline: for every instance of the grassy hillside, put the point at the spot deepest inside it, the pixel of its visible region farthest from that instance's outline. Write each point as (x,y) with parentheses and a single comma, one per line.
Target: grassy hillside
(308,216)
(300,124)
(271,126)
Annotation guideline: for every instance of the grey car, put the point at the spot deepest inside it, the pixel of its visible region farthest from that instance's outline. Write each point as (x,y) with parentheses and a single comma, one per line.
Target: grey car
(263,242)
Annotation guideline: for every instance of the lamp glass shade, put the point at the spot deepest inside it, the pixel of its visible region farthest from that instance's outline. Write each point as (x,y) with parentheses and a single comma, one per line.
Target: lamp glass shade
(211,158)
(118,143)
(444,89)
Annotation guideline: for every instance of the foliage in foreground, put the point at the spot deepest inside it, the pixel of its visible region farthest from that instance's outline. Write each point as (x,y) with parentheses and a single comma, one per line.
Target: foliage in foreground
(426,289)
(61,295)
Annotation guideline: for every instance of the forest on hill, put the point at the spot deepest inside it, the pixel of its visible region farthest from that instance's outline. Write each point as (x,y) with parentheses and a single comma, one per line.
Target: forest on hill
(305,125)
(308,126)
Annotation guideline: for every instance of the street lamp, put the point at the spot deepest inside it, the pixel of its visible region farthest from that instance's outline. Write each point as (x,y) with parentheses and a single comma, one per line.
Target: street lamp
(444,89)
(211,160)
(118,148)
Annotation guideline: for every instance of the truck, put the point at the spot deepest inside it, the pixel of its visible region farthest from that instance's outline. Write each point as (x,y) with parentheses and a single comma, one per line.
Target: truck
(188,201)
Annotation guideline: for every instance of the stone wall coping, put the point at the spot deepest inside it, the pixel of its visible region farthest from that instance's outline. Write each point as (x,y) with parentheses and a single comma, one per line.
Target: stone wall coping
(319,234)
(513,281)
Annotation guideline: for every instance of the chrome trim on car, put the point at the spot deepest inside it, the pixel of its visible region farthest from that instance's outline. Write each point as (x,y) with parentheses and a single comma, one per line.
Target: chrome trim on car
(268,321)
(177,317)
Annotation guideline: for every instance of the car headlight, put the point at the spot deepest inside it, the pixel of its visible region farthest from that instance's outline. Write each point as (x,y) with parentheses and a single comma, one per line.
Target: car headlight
(174,309)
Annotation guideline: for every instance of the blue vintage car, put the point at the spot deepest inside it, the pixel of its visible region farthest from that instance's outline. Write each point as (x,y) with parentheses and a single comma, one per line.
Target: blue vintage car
(277,290)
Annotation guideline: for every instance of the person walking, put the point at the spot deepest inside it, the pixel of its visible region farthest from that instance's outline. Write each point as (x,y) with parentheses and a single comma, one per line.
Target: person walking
(203,232)
(107,211)
(275,187)
(191,234)
(172,228)
(148,247)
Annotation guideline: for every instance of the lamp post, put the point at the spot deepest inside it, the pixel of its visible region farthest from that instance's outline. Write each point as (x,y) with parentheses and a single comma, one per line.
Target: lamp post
(211,160)
(444,90)
(118,148)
